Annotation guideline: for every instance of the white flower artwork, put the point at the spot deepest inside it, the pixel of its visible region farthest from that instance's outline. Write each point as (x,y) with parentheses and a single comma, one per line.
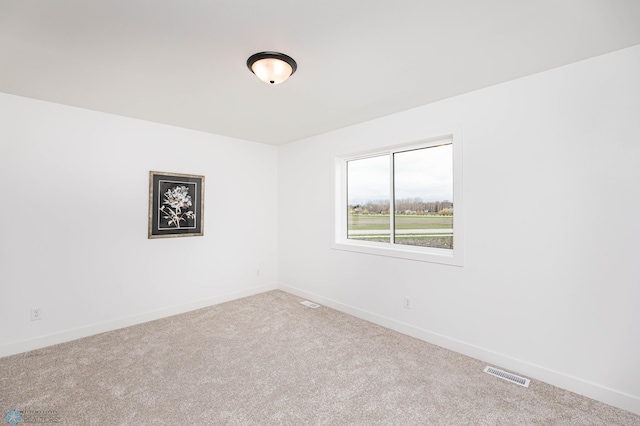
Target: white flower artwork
(176,205)
(177,200)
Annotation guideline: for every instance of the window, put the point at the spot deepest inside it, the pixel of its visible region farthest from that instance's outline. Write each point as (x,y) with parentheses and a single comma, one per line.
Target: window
(403,201)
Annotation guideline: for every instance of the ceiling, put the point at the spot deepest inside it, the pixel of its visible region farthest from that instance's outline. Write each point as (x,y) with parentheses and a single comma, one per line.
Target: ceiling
(183,63)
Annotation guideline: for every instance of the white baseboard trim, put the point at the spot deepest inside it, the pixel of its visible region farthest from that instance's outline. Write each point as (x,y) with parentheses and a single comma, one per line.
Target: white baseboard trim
(90,330)
(582,387)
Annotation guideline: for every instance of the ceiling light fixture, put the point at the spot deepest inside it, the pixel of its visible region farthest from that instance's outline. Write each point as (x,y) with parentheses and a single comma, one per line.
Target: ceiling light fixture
(272,67)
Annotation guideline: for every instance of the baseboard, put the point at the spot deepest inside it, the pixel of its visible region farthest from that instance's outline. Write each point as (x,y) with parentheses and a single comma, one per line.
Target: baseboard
(582,387)
(90,330)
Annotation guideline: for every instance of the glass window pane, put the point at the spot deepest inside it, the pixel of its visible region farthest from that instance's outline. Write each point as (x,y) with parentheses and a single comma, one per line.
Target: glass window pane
(423,190)
(368,183)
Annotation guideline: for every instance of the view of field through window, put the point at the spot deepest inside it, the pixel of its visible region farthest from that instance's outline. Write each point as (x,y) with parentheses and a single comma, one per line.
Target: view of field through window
(422,187)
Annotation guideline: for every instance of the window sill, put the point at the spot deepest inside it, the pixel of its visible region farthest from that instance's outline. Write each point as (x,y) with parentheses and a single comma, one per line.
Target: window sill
(422,254)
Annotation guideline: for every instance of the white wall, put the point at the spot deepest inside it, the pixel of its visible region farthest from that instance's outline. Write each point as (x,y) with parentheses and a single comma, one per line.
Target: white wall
(551,281)
(74,186)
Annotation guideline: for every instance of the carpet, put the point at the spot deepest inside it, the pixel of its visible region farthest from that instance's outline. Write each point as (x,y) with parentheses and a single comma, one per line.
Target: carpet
(269,360)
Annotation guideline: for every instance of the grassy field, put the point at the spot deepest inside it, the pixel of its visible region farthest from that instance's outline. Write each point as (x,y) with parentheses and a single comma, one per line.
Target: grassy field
(414,222)
(367,222)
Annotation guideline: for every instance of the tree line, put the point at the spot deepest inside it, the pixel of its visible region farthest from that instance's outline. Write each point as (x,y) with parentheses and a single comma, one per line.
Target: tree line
(404,206)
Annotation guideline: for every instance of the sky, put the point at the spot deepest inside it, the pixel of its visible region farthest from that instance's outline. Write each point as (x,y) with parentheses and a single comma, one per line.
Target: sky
(423,173)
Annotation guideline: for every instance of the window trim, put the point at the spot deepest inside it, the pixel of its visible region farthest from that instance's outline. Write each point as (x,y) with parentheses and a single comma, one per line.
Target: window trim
(340,241)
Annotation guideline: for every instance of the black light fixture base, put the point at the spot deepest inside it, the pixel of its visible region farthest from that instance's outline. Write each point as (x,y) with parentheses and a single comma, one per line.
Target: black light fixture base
(272,55)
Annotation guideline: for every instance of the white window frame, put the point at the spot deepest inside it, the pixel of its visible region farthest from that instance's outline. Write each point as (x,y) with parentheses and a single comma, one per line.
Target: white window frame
(340,241)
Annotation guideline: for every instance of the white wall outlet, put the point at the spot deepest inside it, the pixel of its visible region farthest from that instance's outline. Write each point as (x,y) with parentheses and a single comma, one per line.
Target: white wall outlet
(257,272)
(407,302)
(36,314)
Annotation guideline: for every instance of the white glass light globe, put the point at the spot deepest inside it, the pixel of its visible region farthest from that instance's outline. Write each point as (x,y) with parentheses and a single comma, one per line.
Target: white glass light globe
(272,70)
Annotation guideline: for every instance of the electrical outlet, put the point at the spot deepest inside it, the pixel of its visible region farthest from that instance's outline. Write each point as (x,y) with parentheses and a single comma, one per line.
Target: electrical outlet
(36,314)
(407,302)
(257,272)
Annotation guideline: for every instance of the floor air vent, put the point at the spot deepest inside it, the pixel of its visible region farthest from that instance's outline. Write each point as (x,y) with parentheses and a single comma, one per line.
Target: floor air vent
(310,304)
(507,376)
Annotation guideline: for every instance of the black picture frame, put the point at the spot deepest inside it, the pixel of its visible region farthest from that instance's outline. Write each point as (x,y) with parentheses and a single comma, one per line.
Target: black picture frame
(176,205)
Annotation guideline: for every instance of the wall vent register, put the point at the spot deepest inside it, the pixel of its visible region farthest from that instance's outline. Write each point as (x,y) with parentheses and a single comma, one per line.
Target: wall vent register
(507,376)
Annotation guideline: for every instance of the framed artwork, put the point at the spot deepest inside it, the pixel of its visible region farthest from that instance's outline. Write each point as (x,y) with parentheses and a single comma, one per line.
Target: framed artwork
(176,205)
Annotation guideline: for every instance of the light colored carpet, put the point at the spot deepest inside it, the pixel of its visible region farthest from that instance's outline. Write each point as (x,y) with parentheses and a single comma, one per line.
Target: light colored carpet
(267,359)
